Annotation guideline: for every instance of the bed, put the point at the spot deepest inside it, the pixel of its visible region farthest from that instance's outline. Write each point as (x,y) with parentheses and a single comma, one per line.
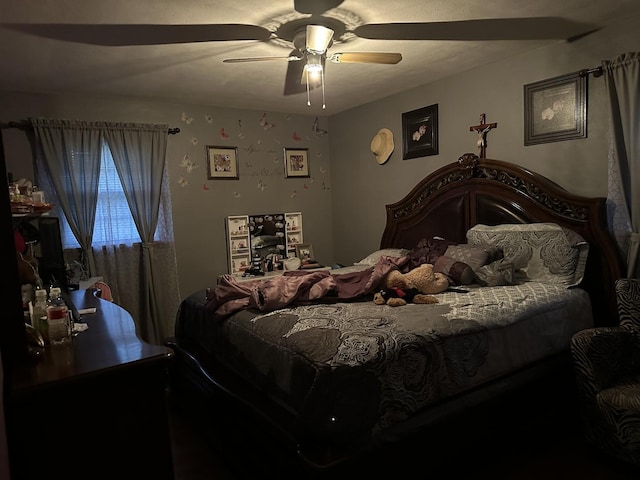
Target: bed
(331,375)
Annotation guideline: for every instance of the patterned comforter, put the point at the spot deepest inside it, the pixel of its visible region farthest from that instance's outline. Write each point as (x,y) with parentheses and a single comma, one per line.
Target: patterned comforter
(352,370)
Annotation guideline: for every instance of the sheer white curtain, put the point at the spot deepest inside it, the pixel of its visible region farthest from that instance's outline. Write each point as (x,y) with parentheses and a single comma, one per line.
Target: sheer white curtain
(622,78)
(142,275)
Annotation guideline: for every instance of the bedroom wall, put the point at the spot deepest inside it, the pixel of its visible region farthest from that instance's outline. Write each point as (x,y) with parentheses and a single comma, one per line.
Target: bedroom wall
(200,205)
(361,188)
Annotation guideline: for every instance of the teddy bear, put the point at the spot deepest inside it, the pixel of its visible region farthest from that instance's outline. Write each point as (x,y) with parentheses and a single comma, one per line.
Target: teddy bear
(417,286)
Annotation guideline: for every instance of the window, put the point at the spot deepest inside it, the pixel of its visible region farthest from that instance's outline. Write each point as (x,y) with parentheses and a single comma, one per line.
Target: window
(114,223)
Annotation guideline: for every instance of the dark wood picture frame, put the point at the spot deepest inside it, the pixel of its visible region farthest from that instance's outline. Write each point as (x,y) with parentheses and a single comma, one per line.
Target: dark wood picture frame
(296,163)
(222,162)
(420,132)
(555,109)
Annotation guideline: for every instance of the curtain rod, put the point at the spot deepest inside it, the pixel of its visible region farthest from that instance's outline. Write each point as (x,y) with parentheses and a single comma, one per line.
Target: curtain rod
(596,72)
(25,125)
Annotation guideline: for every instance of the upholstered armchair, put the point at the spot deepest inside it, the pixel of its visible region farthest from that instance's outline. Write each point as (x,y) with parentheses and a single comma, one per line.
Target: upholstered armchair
(607,365)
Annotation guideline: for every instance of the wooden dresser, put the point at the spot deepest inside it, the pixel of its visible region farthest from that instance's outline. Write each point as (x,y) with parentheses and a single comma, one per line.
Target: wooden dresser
(95,408)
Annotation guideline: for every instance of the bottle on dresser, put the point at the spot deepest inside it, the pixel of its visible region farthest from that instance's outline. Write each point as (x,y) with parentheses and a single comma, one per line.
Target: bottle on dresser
(57,318)
(38,308)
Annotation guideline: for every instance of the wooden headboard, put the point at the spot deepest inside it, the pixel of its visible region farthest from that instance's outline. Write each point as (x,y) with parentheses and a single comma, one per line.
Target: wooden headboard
(476,190)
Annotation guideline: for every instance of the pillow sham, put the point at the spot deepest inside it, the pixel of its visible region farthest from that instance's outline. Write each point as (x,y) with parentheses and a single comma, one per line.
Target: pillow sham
(458,273)
(474,255)
(544,252)
(371,259)
(495,274)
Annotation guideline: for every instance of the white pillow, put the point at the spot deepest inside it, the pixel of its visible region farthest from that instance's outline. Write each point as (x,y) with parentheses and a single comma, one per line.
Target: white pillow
(371,259)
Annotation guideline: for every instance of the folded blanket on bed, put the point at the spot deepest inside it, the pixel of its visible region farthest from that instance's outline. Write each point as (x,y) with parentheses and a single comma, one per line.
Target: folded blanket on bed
(297,288)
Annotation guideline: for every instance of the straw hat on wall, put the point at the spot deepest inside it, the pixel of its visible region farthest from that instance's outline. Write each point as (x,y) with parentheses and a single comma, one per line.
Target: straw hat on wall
(382,145)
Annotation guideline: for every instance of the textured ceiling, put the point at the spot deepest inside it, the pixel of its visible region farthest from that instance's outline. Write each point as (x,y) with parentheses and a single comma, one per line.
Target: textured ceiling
(194,72)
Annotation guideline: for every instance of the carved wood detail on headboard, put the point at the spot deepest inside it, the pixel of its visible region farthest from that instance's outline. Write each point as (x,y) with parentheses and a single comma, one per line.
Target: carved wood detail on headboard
(475,190)
(470,167)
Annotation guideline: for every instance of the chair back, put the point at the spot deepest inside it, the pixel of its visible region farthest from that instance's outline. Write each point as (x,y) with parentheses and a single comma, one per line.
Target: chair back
(104,291)
(628,302)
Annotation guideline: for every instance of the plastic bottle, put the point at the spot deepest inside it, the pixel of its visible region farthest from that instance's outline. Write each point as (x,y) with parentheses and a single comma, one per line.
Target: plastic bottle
(27,297)
(38,308)
(57,318)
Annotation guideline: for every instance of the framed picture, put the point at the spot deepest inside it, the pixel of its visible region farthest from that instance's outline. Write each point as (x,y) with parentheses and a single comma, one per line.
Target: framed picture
(222,162)
(420,132)
(296,162)
(304,251)
(555,109)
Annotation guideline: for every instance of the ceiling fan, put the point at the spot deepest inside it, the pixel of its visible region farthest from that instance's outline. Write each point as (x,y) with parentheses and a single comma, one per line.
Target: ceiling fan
(307,60)
(311,36)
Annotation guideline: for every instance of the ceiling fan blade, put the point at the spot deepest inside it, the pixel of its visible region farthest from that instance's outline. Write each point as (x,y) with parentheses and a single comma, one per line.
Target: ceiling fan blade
(315,7)
(291,58)
(296,80)
(534,28)
(366,57)
(292,82)
(318,38)
(142,34)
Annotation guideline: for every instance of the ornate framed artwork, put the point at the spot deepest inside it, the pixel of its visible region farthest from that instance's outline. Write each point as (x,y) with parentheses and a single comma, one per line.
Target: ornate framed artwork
(420,132)
(222,162)
(555,109)
(296,162)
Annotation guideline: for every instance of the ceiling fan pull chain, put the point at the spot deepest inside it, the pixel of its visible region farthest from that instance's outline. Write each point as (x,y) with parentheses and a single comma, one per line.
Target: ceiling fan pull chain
(323,105)
(308,100)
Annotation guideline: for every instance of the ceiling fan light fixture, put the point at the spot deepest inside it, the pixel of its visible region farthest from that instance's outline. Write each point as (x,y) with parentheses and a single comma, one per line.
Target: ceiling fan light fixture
(318,39)
(314,70)
(314,64)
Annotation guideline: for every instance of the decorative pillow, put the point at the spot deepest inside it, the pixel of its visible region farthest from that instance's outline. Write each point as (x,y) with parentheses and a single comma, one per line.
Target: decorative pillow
(474,255)
(458,273)
(543,252)
(428,250)
(495,274)
(371,259)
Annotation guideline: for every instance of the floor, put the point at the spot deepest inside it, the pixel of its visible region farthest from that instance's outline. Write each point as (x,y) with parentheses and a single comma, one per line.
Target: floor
(539,450)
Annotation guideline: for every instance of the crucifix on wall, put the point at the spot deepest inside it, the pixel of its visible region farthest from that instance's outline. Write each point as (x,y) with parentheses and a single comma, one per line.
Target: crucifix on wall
(482,129)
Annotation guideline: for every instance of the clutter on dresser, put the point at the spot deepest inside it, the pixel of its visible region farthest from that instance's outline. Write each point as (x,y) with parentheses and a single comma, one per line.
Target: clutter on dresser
(27,198)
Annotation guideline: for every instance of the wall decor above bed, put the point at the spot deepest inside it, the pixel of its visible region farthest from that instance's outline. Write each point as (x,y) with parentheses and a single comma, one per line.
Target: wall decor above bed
(420,132)
(555,109)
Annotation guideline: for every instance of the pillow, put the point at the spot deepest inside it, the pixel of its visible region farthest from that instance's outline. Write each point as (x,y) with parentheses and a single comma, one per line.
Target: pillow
(543,252)
(474,255)
(458,273)
(495,274)
(428,250)
(371,259)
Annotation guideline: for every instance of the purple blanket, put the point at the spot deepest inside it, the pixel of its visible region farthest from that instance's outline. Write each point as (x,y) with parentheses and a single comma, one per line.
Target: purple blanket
(297,287)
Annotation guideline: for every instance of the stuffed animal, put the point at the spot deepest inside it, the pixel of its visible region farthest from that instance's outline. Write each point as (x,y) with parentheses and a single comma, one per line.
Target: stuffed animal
(395,297)
(416,286)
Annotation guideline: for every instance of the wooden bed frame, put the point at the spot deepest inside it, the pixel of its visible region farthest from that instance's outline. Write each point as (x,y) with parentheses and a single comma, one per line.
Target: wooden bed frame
(446,203)
(483,191)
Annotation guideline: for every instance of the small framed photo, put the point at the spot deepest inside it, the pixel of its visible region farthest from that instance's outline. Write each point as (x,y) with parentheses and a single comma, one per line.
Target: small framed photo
(296,162)
(420,132)
(304,251)
(222,162)
(555,109)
